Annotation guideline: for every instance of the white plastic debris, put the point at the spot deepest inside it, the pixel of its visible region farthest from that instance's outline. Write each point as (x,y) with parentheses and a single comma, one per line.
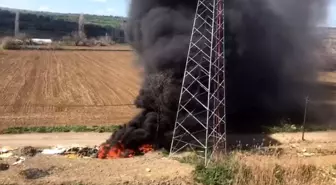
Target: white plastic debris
(54,151)
(5,149)
(306,154)
(20,161)
(294,146)
(6,155)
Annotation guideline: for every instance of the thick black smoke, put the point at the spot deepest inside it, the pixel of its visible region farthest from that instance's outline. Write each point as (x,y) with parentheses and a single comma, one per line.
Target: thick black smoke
(270,48)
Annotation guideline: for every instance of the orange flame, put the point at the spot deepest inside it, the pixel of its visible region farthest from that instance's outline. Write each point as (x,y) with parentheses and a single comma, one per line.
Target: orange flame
(146,148)
(107,151)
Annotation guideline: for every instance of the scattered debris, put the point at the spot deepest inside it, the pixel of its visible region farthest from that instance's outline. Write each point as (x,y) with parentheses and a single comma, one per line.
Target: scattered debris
(4,166)
(34,173)
(6,155)
(54,151)
(28,151)
(6,149)
(6,152)
(72,156)
(19,161)
(71,152)
(83,151)
(306,154)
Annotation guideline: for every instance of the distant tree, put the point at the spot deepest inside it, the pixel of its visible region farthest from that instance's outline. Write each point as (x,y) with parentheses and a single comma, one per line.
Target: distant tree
(56,25)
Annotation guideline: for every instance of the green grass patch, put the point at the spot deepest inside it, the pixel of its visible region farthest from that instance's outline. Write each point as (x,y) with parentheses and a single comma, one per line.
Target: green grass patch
(59,129)
(221,173)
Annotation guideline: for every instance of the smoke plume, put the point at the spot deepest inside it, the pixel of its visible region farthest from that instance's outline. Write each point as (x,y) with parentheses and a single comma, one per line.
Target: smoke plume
(270,47)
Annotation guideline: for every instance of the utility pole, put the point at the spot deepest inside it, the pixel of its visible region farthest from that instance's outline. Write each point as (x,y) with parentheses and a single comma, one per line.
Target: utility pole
(122,30)
(81,20)
(17,22)
(305,118)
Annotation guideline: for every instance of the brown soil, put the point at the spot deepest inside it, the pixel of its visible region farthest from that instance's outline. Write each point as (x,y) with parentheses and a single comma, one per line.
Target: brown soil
(41,88)
(148,169)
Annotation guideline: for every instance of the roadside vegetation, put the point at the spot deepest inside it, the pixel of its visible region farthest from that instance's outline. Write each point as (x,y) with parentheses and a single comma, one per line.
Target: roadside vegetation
(59,129)
(45,129)
(247,169)
(290,128)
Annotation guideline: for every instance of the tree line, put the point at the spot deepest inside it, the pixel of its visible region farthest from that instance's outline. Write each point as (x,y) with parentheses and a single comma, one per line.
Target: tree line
(56,26)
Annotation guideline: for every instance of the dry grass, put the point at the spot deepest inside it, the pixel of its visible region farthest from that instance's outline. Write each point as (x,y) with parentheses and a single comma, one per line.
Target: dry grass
(112,47)
(293,162)
(66,87)
(327,77)
(270,170)
(253,169)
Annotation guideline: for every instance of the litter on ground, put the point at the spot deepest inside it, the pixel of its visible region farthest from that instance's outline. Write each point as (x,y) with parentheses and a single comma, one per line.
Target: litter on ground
(6,149)
(6,155)
(53,151)
(20,160)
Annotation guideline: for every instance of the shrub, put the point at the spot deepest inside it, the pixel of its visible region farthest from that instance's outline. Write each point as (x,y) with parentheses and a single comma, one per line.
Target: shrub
(11,43)
(222,173)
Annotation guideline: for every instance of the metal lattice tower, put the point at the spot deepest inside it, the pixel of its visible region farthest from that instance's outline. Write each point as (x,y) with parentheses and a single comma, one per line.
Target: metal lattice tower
(201,116)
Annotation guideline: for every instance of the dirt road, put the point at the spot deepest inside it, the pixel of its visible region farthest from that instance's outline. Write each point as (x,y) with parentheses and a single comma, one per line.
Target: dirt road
(53,139)
(92,139)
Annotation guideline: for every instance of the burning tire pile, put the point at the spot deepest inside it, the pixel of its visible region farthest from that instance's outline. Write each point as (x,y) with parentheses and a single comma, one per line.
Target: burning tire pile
(107,151)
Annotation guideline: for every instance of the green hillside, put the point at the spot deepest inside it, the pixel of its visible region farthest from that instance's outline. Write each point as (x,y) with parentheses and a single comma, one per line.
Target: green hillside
(56,25)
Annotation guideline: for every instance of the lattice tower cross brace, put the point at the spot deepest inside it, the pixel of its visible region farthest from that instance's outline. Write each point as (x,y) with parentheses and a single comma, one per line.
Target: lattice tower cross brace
(201,116)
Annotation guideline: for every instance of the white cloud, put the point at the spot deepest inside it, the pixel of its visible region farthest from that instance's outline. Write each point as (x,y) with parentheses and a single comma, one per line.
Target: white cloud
(99,1)
(107,11)
(43,8)
(21,4)
(110,10)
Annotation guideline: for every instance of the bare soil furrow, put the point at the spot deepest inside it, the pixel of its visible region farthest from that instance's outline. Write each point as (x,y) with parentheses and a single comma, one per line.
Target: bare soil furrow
(66,87)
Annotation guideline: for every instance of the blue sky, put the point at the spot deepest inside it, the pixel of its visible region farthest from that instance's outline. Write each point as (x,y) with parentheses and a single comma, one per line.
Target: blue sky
(332,14)
(101,7)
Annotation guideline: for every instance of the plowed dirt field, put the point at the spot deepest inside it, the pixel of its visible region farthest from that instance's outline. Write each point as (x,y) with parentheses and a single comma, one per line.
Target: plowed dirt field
(66,87)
